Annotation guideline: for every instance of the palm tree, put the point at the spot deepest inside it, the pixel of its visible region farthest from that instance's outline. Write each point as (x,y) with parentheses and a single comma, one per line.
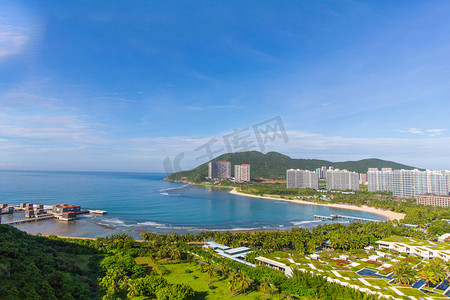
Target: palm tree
(223,269)
(447,268)
(210,272)
(403,272)
(433,272)
(265,286)
(244,281)
(231,286)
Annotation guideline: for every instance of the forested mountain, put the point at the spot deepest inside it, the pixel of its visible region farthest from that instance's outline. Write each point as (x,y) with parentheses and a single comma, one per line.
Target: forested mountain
(273,165)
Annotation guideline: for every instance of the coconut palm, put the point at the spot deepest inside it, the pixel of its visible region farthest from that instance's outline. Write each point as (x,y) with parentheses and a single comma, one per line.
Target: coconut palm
(265,285)
(433,272)
(403,272)
(223,269)
(209,269)
(244,281)
(231,285)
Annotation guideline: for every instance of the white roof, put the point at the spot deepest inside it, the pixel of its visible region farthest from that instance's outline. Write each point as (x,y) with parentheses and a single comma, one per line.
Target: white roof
(237,250)
(271,262)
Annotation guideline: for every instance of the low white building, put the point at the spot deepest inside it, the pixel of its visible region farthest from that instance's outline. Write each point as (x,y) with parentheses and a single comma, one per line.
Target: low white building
(343,257)
(443,237)
(373,258)
(314,256)
(275,265)
(424,249)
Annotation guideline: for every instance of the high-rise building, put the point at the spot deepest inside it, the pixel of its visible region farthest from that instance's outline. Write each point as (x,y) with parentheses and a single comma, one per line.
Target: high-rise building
(219,169)
(362,178)
(342,180)
(302,179)
(379,180)
(242,173)
(324,172)
(321,172)
(409,183)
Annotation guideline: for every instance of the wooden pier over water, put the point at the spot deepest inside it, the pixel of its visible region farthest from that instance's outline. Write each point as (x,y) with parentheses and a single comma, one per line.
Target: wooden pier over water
(332,217)
(28,220)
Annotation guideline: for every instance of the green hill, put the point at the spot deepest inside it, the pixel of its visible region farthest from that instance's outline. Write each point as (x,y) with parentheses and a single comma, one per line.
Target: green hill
(273,165)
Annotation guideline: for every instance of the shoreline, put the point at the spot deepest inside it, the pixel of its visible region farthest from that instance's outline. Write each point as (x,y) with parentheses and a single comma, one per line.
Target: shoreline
(390,215)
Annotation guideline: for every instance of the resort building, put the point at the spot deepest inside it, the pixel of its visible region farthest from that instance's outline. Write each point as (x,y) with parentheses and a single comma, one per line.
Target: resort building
(5,209)
(362,178)
(271,263)
(274,264)
(379,180)
(422,248)
(342,180)
(64,208)
(321,173)
(219,169)
(408,183)
(236,254)
(302,179)
(433,200)
(444,237)
(66,212)
(242,173)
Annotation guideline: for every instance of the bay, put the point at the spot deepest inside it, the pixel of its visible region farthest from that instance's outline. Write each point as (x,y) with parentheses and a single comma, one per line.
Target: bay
(138,202)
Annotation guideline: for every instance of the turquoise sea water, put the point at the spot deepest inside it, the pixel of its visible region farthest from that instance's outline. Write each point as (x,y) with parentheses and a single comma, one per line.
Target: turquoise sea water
(139,202)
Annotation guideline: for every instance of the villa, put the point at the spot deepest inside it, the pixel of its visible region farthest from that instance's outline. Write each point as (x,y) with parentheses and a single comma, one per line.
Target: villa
(236,254)
(422,248)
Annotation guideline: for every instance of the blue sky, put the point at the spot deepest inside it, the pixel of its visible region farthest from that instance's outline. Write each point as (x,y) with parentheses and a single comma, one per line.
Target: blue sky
(121,85)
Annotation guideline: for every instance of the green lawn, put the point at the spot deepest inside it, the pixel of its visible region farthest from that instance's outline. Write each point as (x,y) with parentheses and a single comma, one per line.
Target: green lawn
(199,282)
(378,282)
(411,292)
(148,264)
(348,274)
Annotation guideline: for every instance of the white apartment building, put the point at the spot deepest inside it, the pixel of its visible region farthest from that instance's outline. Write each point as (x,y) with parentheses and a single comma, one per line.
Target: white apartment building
(409,183)
(379,180)
(342,180)
(242,173)
(302,179)
(219,169)
(321,172)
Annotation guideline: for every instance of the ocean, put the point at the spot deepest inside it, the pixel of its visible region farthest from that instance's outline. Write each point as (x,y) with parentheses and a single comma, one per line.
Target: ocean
(138,202)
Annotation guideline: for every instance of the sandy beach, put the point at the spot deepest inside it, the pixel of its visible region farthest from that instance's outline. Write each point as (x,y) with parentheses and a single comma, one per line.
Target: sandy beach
(385,213)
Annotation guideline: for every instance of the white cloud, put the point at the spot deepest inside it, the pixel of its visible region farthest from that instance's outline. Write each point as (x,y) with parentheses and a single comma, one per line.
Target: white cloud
(12,39)
(435,132)
(429,132)
(70,142)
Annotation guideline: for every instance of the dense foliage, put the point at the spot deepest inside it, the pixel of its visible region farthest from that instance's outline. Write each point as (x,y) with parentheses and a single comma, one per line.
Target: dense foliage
(273,165)
(33,267)
(45,268)
(415,214)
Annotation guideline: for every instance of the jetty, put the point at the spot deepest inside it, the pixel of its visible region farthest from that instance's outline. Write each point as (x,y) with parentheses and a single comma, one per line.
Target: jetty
(39,212)
(28,220)
(97,212)
(335,216)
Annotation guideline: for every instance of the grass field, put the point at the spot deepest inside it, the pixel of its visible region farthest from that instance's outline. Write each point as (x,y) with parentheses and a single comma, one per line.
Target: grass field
(190,274)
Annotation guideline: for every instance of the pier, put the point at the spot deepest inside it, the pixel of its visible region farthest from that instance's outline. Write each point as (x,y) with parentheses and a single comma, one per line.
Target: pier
(97,212)
(39,218)
(38,212)
(335,216)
